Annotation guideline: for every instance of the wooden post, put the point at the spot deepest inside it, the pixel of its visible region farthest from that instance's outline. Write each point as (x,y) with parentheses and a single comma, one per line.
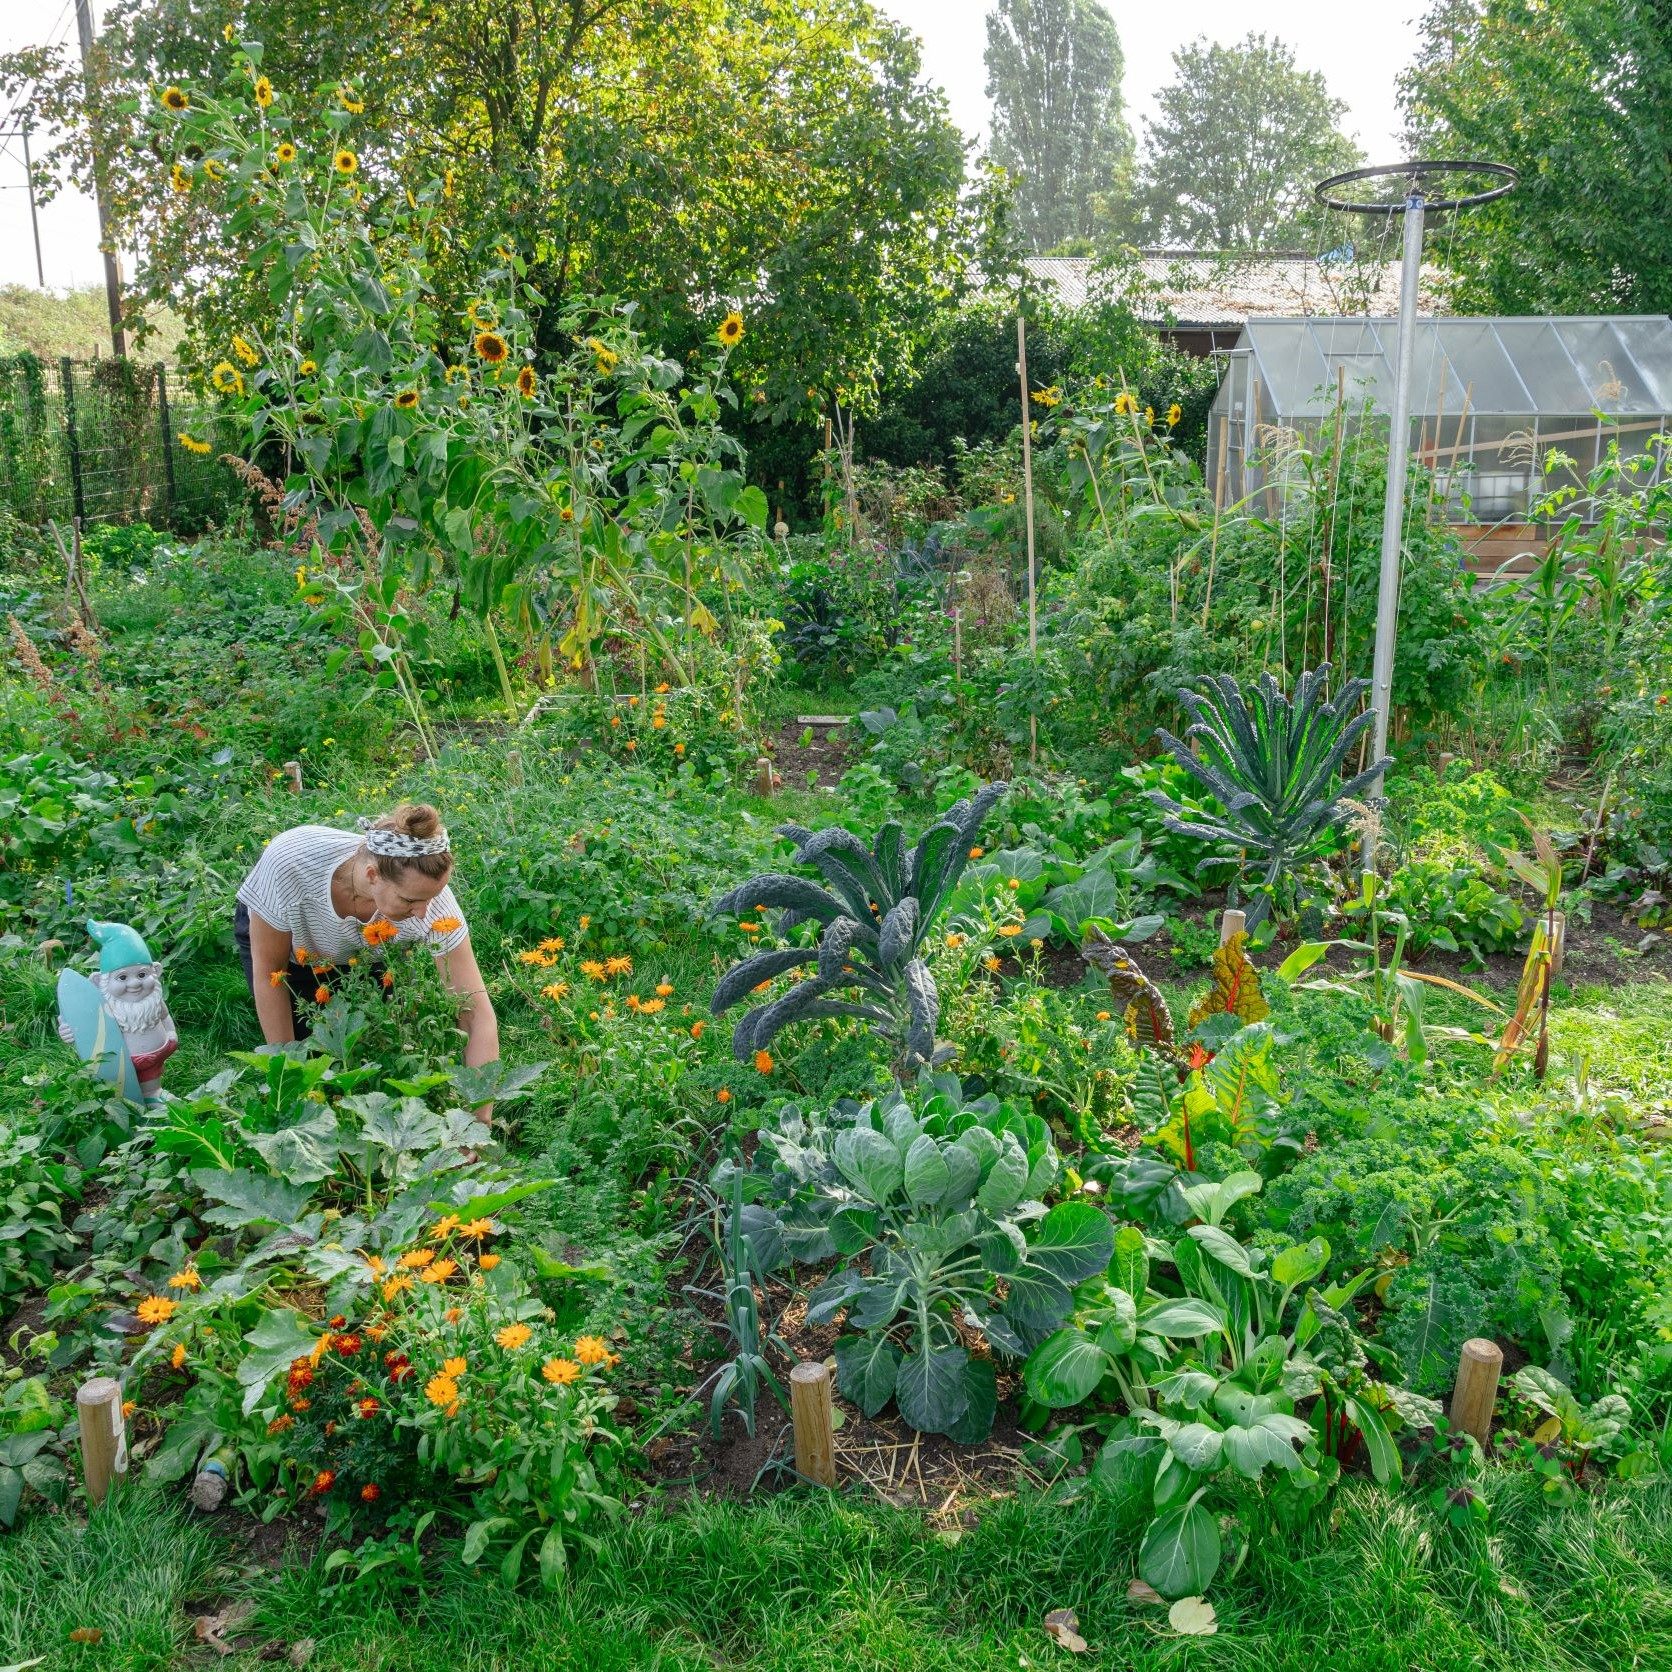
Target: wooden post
(815,1444)
(1027,501)
(1231,923)
(1558,942)
(513,768)
(958,643)
(104,1436)
(763,776)
(293,771)
(1476,1391)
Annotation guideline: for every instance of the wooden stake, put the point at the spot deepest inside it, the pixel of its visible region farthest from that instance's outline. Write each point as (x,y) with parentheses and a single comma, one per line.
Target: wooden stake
(763,776)
(1476,1390)
(1231,923)
(1558,943)
(293,771)
(513,767)
(810,1412)
(104,1436)
(1218,512)
(1027,500)
(957,643)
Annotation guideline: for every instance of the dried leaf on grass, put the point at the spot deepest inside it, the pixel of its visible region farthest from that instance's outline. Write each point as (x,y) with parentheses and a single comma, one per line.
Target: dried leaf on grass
(1193,1617)
(213,1630)
(87,1634)
(1062,1626)
(1138,1591)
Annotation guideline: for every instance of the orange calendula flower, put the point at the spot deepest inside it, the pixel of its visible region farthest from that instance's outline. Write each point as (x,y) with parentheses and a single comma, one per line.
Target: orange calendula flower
(593,1349)
(416,1257)
(722,1096)
(651,1006)
(561,1371)
(439,1272)
(633,1001)
(379,930)
(455,1366)
(187,1279)
(477,1229)
(446,925)
(301,955)
(322,995)
(488,1261)
(178,1357)
(679,749)
(452,1314)
(658,721)
(664,989)
(593,970)
(1010,930)
(555,990)
(156,1309)
(514,1336)
(621,964)
(696,1029)
(763,1062)
(991,962)
(443,1228)
(554,943)
(1103,1015)
(976,853)
(441,1390)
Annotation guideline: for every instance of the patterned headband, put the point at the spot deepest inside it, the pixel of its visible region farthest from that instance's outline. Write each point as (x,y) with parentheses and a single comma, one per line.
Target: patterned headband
(396,844)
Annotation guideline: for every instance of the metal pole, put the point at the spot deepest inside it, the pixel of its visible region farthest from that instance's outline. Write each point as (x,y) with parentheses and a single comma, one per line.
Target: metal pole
(1393,512)
(167,435)
(34,219)
(112,267)
(1027,501)
(77,493)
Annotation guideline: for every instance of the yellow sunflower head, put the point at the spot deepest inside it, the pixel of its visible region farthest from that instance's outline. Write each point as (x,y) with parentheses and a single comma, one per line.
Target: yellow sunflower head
(308,368)
(175,100)
(227,378)
(490,346)
(286,152)
(481,314)
(526,384)
(350,100)
(1174,413)
(245,350)
(345,162)
(731,329)
(263,91)
(457,374)
(407,399)
(181,178)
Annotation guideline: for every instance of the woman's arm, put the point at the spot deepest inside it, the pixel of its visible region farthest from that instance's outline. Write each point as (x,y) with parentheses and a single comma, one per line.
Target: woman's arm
(269,952)
(461,978)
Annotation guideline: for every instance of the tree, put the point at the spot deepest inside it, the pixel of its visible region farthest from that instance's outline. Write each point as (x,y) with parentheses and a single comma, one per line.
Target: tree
(1576,95)
(1053,74)
(686,155)
(1242,138)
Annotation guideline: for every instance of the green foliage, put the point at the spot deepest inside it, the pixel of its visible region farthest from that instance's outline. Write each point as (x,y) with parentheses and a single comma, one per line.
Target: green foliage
(878,908)
(929,1210)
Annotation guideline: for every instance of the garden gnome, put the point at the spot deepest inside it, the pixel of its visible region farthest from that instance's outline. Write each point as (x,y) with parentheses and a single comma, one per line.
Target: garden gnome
(130,985)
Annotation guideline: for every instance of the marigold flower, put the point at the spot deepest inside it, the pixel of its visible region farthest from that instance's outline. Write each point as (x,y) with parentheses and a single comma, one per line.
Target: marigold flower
(441,1390)
(348,1345)
(561,1371)
(696,1029)
(323,1481)
(527,385)
(301,1404)
(763,1062)
(723,1096)
(175,100)
(367,1407)
(280,1424)
(488,1261)
(345,163)
(416,1257)
(593,1349)
(178,1357)
(513,1336)
(156,1309)
(731,329)
(439,1272)
(490,346)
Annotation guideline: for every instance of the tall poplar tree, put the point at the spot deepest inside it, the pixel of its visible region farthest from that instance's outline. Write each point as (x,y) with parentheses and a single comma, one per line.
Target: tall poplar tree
(1053,74)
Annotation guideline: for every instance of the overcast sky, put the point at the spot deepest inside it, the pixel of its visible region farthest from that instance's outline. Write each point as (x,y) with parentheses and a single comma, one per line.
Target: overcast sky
(1359,51)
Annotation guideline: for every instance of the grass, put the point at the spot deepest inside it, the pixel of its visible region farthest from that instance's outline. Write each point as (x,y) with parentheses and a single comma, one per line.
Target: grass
(829,1584)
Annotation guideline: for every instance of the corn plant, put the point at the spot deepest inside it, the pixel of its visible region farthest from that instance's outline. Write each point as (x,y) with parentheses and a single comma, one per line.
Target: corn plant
(1269,761)
(876,908)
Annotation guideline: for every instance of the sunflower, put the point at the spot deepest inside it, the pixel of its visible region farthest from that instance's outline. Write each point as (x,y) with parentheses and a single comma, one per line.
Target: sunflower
(490,346)
(1174,413)
(407,399)
(350,102)
(213,169)
(263,91)
(345,162)
(307,368)
(526,384)
(731,329)
(181,178)
(483,315)
(175,100)
(242,347)
(286,153)
(193,445)
(1126,403)
(227,378)
(458,374)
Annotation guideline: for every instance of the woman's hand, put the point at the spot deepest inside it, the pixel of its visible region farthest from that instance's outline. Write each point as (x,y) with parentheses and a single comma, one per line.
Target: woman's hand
(461,978)
(270,955)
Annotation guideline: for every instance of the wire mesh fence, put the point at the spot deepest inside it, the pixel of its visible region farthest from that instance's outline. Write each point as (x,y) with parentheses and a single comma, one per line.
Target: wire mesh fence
(111,441)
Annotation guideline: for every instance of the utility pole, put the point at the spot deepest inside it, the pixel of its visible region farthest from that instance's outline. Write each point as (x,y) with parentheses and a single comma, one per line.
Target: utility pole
(112,266)
(34,219)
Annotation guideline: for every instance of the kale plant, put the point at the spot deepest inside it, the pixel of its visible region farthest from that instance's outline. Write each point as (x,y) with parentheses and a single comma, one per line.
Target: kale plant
(1269,762)
(876,908)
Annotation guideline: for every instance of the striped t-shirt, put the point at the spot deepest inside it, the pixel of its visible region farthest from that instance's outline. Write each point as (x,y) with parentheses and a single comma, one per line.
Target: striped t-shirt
(290,888)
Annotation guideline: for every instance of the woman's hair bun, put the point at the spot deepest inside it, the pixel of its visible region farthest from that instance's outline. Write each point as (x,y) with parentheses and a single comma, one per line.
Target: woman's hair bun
(412,818)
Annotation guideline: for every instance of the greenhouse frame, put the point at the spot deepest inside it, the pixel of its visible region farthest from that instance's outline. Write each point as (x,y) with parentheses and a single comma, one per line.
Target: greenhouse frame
(1490,400)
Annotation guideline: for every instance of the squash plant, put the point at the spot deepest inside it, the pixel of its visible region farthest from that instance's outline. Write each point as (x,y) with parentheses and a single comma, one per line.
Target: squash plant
(931,1212)
(875,910)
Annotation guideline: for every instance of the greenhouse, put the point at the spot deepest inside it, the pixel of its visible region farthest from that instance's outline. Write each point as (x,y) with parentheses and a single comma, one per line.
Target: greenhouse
(1490,400)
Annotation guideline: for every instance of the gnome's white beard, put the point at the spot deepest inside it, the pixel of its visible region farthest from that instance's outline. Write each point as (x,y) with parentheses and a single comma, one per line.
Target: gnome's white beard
(138,1015)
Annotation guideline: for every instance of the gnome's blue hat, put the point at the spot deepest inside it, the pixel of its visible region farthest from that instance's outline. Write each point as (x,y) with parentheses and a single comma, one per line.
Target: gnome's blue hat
(119,946)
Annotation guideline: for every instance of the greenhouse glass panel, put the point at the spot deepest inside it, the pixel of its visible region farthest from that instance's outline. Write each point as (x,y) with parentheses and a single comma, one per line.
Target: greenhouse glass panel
(1644,341)
(1481,369)
(1604,364)
(1545,366)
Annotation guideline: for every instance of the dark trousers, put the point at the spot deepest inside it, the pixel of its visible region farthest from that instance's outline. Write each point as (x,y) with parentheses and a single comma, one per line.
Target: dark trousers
(300,981)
